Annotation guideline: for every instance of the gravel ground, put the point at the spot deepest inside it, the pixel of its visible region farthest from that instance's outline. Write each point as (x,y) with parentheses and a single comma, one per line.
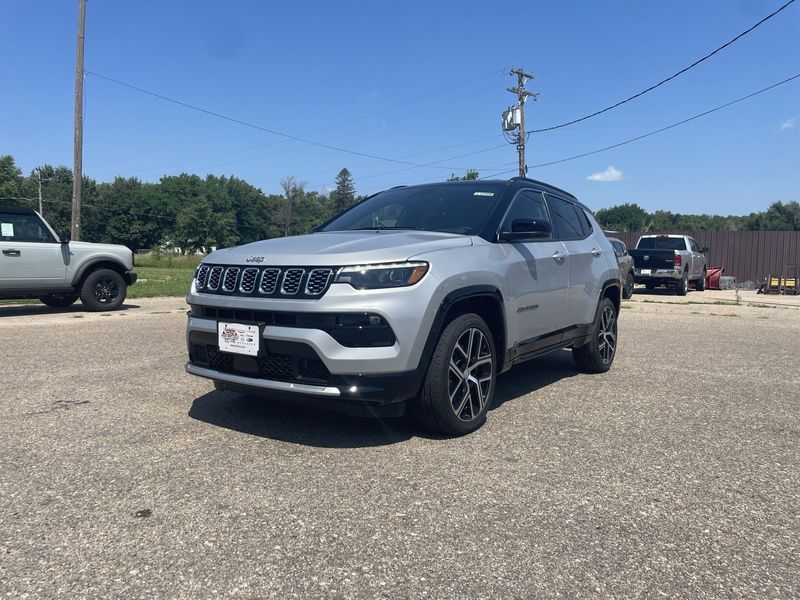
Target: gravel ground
(675,474)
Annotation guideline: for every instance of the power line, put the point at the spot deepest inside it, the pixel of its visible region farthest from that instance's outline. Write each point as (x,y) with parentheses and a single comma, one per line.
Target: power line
(265,129)
(667,79)
(333,126)
(645,135)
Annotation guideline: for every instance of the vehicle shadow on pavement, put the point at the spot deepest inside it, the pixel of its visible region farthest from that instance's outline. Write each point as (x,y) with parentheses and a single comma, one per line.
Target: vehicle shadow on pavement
(313,426)
(298,424)
(529,377)
(27,310)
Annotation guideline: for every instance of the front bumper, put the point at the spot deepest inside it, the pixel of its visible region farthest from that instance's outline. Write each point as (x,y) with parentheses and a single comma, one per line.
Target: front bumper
(131,277)
(305,361)
(348,393)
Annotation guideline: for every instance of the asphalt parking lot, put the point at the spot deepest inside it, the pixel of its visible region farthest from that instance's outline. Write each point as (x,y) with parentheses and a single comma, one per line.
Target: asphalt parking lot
(675,474)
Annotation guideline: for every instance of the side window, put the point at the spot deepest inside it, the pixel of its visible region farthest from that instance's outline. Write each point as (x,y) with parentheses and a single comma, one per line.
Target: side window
(527,205)
(619,249)
(23,228)
(566,221)
(693,245)
(587,223)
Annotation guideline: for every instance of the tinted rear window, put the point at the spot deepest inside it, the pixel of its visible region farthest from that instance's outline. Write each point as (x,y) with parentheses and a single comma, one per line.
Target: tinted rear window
(661,243)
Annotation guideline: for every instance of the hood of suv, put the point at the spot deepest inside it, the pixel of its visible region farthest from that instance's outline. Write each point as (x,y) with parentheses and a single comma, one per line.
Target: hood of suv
(339,248)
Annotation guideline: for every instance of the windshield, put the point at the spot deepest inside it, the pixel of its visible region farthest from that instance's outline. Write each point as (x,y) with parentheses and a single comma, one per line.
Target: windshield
(662,243)
(453,208)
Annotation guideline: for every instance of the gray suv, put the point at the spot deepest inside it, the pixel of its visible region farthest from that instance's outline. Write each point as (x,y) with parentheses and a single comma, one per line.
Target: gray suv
(35,262)
(417,296)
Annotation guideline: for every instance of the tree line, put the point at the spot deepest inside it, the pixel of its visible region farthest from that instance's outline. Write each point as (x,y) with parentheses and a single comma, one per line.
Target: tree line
(195,213)
(182,211)
(780,216)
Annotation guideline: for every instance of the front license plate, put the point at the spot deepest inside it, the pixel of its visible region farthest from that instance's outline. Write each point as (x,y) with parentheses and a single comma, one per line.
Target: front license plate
(238,338)
(645,271)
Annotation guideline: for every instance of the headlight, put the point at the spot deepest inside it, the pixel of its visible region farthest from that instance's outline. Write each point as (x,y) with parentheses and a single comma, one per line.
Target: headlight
(370,277)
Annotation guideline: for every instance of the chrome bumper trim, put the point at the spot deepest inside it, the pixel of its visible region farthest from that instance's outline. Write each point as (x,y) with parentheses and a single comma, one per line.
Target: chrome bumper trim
(266,384)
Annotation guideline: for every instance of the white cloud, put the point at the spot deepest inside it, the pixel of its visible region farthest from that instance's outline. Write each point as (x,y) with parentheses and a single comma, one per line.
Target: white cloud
(787,124)
(610,174)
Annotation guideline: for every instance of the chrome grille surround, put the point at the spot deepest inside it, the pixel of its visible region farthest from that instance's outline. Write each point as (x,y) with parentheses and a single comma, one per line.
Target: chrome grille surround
(269,281)
(317,281)
(248,283)
(202,276)
(291,281)
(230,279)
(214,278)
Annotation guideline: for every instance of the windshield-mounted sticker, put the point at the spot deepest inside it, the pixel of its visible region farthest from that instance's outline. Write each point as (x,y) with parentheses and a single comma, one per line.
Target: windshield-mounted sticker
(7,229)
(483,194)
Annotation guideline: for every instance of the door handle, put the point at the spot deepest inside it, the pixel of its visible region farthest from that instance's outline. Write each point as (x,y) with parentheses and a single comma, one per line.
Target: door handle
(596,252)
(11,252)
(559,256)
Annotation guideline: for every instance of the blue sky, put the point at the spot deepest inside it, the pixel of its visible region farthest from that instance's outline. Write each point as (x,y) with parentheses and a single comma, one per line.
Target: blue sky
(404,79)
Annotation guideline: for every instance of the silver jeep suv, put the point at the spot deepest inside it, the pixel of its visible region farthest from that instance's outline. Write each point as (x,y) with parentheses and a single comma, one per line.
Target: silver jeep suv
(417,296)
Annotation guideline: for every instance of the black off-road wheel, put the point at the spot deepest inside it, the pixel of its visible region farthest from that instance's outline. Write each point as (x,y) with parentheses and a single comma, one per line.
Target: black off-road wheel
(683,286)
(701,283)
(59,300)
(460,382)
(103,289)
(598,354)
(627,291)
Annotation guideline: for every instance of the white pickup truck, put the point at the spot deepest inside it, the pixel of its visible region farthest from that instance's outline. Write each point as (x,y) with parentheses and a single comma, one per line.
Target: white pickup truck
(35,262)
(671,260)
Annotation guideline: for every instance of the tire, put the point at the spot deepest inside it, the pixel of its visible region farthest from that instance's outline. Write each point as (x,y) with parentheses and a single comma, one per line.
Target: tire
(59,300)
(597,356)
(627,291)
(460,382)
(683,286)
(701,283)
(103,289)
(650,286)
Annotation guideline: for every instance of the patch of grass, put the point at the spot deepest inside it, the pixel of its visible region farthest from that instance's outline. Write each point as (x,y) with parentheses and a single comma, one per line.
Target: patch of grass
(168,261)
(77,316)
(162,281)
(626,306)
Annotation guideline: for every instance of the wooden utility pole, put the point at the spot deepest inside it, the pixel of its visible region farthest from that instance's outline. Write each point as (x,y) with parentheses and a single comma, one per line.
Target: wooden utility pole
(522,95)
(77,158)
(39,177)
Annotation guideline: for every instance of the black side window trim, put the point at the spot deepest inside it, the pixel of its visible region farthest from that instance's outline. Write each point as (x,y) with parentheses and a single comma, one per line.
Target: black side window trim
(577,209)
(552,237)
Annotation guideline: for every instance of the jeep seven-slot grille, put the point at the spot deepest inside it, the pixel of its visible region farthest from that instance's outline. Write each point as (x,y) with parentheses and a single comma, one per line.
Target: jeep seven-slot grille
(278,282)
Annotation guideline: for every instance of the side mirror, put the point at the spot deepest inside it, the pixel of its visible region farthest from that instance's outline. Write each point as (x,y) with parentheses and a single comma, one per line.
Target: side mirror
(64,235)
(526,229)
(704,249)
